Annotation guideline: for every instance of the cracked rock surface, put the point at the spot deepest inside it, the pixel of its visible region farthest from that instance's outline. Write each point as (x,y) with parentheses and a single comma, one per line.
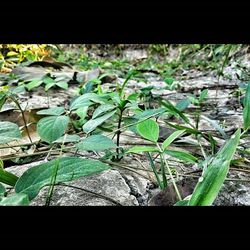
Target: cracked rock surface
(110,184)
(129,189)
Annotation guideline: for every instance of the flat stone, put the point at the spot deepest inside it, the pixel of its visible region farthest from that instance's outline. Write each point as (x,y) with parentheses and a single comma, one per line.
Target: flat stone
(109,183)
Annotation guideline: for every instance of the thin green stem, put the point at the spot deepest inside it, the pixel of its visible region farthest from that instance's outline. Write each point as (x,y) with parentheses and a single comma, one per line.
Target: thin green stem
(155,171)
(170,173)
(134,123)
(118,134)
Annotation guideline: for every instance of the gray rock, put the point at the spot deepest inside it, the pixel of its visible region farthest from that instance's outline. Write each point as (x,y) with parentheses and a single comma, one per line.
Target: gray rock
(234,193)
(138,185)
(135,54)
(109,184)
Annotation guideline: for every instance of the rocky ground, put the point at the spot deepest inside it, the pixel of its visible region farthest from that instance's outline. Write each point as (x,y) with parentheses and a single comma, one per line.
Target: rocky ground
(125,185)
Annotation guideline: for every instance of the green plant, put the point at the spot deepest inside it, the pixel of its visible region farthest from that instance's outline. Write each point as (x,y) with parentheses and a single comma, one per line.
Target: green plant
(214,174)
(149,130)
(12,54)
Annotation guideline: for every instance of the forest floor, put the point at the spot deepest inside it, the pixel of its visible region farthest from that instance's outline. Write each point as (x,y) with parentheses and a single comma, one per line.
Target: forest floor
(131,181)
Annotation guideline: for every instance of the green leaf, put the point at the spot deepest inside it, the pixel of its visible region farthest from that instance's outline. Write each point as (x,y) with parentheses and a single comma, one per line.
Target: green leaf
(15,200)
(34,83)
(181,156)
(90,125)
(49,85)
(52,111)
(9,132)
(86,100)
(12,53)
(187,129)
(102,109)
(96,143)
(203,95)
(70,168)
(139,149)
(149,113)
(53,127)
(169,80)
(7,177)
(171,138)
(212,179)
(63,85)
(149,130)
(82,112)
(246,110)
(68,138)
(2,190)
(48,80)
(182,104)
(174,111)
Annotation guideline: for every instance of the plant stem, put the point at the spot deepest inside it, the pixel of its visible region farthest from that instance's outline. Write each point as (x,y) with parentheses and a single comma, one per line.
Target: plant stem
(169,171)
(53,181)
(155,171)
(118,134)
(54,175)
(23,116)
(125,82)
(134,123)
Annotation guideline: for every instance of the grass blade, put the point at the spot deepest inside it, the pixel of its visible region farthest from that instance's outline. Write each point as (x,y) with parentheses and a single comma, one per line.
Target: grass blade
(210,183)
(246,110)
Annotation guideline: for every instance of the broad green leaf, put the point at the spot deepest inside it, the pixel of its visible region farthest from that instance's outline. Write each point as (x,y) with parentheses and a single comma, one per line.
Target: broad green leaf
(149,113)
(7,177)
(52,111)
(127,121)
(90,125)
(181,156)
(82,112)
(149,130)
(96,143)
(211,181)
(102,109)
(182,104)
(48,80)
(169,80)
(86,100)
(68,138)
(53,127)
(34,83)
(9,132)
(49,85)
(246,110)
(63,85)
(15,200)
(133,97)
(139,149)
(70,168)
(171,138)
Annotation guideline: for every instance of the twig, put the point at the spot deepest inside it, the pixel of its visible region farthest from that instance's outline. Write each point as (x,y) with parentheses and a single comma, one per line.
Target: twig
(23,116)
(91,192)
